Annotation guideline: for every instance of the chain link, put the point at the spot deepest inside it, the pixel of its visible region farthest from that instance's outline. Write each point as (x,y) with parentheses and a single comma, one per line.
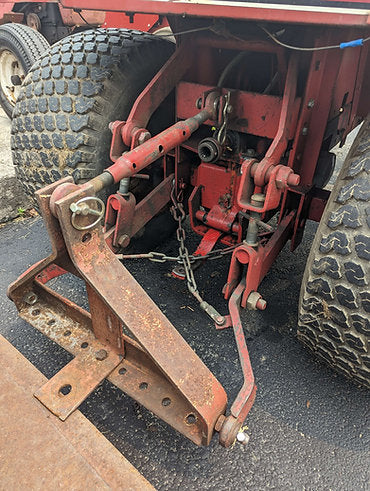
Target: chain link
(178,213)
(160,257)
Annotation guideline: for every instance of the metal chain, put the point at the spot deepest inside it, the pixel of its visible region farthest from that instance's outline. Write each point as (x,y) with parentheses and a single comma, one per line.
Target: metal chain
(161,257)
(178,213)
(184,258)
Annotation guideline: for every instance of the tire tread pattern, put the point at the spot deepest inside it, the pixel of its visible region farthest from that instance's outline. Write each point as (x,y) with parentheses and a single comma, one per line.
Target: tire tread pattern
(27,45)
(30,42)
(84,81)
(335,300)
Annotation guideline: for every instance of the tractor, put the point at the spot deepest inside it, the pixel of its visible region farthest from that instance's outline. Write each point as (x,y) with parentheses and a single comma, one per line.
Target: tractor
(125,137)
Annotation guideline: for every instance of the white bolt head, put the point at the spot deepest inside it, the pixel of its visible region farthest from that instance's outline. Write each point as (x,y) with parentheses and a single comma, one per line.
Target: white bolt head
(242,437)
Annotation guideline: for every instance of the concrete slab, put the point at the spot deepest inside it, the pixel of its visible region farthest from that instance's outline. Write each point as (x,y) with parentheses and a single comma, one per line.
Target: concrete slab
(38,451)
(12,197)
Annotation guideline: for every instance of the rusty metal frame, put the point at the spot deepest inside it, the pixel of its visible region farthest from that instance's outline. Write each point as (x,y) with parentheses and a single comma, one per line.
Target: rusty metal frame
(305,14)
(124,218)
(122,337)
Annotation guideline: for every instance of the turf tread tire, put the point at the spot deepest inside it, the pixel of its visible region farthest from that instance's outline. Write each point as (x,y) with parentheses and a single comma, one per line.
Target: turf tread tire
(334,304)
(60,122)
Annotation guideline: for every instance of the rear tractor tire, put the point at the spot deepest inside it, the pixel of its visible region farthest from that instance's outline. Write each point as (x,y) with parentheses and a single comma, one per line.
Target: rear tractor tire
(20,48)
(81,84)
(334,308)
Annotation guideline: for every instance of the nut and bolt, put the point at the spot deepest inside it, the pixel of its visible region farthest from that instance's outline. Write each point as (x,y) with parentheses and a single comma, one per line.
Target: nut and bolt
(123,240)
(256,302)
(304,130)
(258,200)
(145,135)
(30,298)
(261,304)
(293,179)
(101,355)
(242,438)
(220,320)
(311,103)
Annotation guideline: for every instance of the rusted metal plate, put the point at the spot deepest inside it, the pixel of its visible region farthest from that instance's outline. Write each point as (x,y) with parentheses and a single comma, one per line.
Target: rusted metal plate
(139,377)
(64,392)
(257,114)
(136,375)
(39,451)
(12,16)
(70,326)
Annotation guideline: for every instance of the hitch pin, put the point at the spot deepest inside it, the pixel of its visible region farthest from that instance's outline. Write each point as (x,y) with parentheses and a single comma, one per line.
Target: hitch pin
(83,209)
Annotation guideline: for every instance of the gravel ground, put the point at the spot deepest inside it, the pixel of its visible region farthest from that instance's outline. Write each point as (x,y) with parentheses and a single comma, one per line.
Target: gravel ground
(308,427)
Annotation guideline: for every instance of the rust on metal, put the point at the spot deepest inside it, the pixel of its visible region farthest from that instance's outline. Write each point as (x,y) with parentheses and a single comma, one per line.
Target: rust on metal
(250,153)
(64,392)
(39,448)
(190,398)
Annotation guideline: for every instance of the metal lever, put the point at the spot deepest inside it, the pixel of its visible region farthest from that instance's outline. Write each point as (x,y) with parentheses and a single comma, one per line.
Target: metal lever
(230,426)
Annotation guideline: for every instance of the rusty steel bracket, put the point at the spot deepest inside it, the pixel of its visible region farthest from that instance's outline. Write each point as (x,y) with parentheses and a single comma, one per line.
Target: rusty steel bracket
(124,218)
(258,261)
(64,392)
(278,178)
(124,338)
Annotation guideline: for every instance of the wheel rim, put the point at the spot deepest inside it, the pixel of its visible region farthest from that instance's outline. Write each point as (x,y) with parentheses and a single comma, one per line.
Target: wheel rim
(10,66)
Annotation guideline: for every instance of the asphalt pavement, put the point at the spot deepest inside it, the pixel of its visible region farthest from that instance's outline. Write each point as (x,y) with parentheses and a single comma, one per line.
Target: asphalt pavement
(308,427)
